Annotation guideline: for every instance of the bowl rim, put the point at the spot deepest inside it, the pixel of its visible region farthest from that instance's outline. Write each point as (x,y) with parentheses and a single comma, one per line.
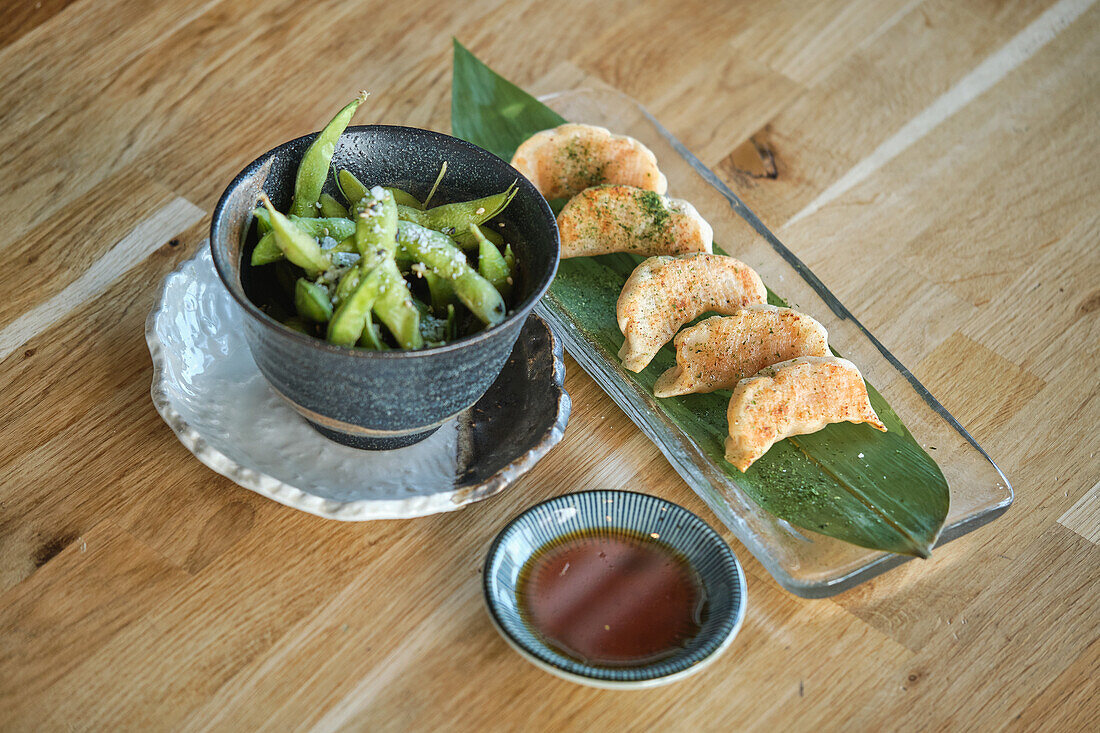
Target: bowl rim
(648,675)
(518,314)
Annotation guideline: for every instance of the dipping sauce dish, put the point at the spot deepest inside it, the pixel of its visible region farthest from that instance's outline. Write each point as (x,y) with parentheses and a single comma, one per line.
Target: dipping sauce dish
(614,589)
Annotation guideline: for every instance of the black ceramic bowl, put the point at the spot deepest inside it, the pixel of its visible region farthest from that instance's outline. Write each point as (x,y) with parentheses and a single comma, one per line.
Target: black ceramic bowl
(383,399)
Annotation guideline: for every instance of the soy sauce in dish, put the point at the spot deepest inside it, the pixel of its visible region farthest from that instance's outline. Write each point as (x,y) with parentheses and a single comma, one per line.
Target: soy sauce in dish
(612,598)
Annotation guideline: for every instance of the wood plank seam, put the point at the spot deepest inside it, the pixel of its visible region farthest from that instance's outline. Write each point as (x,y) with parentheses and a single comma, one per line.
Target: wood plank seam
(130,251)
(993,69)
(1084,516)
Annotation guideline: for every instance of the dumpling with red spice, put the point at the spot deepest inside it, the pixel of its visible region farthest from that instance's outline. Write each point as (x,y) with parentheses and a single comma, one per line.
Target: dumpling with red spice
(794,397)
(720,351)
(664,293)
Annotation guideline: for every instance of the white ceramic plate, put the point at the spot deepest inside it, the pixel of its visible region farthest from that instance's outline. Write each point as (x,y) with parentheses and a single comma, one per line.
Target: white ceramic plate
(209,391)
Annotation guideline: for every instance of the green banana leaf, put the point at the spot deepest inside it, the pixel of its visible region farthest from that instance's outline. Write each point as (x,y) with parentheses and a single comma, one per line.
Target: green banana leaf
(876,490)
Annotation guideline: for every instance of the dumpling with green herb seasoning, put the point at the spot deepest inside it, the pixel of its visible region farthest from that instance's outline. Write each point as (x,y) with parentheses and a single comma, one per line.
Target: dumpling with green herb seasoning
(794,397)
(720,351)
(664,293)
(565,160)
(607,219)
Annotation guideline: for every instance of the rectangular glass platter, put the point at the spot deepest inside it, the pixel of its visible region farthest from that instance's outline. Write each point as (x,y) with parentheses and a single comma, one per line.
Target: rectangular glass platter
(805,563)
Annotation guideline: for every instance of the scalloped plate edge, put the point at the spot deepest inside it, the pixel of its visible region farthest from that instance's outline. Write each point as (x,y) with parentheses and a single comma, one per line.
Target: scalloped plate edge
(346,511)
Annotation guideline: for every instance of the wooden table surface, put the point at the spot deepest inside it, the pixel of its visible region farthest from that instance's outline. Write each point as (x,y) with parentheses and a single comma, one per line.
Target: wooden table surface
(953,145)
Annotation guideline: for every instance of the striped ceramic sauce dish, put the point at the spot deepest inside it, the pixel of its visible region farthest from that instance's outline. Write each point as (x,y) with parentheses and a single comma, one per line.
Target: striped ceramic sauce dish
(614,589)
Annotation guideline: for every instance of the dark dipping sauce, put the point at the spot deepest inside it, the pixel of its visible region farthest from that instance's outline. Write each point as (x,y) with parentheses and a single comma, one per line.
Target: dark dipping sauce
(612,598)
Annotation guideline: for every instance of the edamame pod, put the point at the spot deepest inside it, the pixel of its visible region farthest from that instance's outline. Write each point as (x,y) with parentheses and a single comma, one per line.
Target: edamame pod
(330,207)
(313,170)
(336,227)
(375,227)
(372,335)
(299,247)
(268,251)
(263,220)
(312,301)
(442,291)
(491,264)
(438,252)
(329,226)
(347,322)
(405,198)
(468,241)
(351,187)
(395,308)
(347,285)
(458,216)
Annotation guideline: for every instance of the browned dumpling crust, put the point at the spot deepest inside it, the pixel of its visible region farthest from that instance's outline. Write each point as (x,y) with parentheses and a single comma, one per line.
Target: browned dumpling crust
(608,219)
(664,293)
(720,351)
(567,159)
(794,397)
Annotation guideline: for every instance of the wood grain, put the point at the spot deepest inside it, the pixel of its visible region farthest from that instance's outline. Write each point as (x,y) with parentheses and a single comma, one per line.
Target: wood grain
(141,591)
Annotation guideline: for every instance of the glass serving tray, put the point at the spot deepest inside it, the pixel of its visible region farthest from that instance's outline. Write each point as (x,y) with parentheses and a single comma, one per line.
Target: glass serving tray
(807,564)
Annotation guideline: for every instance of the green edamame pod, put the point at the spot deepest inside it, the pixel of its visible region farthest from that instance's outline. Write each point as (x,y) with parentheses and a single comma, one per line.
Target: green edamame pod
(510,258)
(372,335)
(266,251)
(313,170)
(312,301)
(395,308)
(491,264)
(458,216)
(263,220)
(347,322)
(405,198)
(350,186)
(347,285)
(375,227)
(332,208)
(299,247)
(438,252)
(434,249)
(467,241)
(328,226)
(442,291)
(408,213)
